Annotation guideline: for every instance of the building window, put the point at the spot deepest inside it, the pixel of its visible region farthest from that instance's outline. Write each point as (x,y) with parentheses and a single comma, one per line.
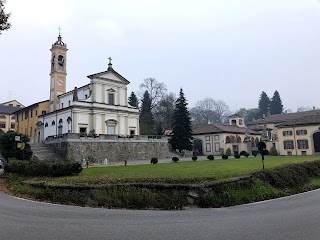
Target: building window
(287,133)
(302,144)
(36,112)
(227,139)
(61,105)
(53,123)
(238,139)
(217,147)
(207,138)
(216,137)
(288,144)
(13,117)
(132,132)
(12,126)
(30,131)
(2,116)
(2,125)
(301,132)
(233,122)
(111,130)
(26,115)
(111,98)
(43,112)
(31,113)
(46,125)
(208,147)
(69,104)
(83,131)
(240,122)
(86,96)
(303,153)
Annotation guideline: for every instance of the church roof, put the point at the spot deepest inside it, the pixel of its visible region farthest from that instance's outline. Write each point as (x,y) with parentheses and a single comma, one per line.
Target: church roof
(222,128)
(110,70)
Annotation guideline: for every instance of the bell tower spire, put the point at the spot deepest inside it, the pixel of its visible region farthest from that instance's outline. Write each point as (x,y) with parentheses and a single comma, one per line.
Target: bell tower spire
(58,72)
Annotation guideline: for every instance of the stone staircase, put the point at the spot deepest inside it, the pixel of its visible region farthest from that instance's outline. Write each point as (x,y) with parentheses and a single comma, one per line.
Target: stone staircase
(42,151)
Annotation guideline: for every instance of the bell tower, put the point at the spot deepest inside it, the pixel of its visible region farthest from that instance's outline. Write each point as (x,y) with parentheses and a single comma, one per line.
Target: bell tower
(58,72)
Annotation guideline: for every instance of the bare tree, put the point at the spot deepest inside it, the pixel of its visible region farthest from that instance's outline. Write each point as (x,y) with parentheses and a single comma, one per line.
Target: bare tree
(303,109)
(163,112)
(4,23)
(156,90)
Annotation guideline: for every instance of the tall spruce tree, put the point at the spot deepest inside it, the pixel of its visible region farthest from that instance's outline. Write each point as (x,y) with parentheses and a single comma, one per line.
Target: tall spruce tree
(276,106)
(146,116)
(264,104)
(133,100)
(182,132)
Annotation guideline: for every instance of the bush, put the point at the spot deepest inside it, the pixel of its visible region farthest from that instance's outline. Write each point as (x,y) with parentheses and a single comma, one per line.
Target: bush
(175,159)
(154,160)
(50,168)
(273,151)
(210,157)
(228,152)
(237,155)
(194,158)
(224,156)
(246,154)
(255,153)
(242,153)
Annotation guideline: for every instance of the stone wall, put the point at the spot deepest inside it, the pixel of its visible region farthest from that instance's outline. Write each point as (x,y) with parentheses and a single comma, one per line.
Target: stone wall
(115,151)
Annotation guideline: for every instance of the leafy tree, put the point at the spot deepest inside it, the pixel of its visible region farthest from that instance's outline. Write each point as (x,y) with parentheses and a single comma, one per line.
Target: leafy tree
(133,100)
(276,106)
(264,103)
(181,129)
(8,146)
(249,115)
(155,89)
(4,17)
(146,116)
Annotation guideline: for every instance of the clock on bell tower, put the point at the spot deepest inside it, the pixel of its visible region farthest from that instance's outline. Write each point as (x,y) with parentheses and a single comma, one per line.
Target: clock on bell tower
(58,72)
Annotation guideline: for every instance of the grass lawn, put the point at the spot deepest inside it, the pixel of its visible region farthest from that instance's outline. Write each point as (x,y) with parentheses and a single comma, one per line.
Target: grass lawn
(186,171)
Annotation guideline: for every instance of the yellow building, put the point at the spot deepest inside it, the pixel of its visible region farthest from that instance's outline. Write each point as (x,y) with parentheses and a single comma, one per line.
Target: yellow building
(7,116)
(27,118)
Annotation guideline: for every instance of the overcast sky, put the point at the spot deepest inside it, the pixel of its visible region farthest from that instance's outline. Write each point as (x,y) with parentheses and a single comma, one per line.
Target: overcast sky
(229,50)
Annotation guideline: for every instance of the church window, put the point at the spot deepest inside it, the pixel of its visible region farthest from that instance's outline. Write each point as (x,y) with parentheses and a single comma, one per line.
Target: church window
(111,130)
(60,121)
(69,103)
(53,123)
(46,125)
(132,132)
(61,105)
(111,98)
(111,126)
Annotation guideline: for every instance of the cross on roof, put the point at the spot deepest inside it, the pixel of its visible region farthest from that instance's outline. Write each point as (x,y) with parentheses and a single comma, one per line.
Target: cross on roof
(110,60)
(59,29)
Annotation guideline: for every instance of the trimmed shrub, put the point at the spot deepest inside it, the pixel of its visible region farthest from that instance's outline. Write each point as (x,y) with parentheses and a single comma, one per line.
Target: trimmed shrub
(246,154)
(237,155)
(154,160)
(224,156)
(210,157)
(50,168)
(175,159)
(242,153)
(194,158)
(255,153)
(273,151)
(228,152)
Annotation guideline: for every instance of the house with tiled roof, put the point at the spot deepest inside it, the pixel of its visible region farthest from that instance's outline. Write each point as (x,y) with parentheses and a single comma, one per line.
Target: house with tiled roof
(7,116)
(291,133)
(216,138)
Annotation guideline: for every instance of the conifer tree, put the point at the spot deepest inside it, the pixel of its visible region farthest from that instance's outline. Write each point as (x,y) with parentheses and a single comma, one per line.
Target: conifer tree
(276,106)
(133,100)
(264,103)
(182,132)
(146,116)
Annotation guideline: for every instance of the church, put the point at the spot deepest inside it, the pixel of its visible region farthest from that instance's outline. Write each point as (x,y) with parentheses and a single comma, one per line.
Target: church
(100,107)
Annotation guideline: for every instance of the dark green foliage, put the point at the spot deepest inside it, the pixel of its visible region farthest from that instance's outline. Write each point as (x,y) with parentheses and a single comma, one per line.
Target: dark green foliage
(4,17)
(293,175)
(146,116)
(194,158)
(237,155)
(242,153)
(249,115)
(182,132)
(154,160)
(133,100)
(273,151)
(175,159)
(246,154)
(276,106)
(255,153)
(210,157)
(228,152)
(52,168)
(264,103)
(225,156)
(8,146)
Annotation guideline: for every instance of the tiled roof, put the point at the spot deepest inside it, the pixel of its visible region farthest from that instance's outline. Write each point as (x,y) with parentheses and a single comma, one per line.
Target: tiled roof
(221,128)
(279,118)
(304,120)
(8,109)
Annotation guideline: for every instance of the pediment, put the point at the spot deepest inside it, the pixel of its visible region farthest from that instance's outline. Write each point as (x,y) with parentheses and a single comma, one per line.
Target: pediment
(109,75)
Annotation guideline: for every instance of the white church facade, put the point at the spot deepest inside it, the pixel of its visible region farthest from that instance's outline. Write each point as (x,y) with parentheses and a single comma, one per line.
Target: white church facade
(100,107)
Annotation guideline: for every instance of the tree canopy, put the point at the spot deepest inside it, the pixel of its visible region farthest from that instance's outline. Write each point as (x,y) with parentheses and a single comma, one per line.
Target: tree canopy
(146,116)
(155,89)
(133,100)
(263,105)
(4,18)
(276,106)
(182,132)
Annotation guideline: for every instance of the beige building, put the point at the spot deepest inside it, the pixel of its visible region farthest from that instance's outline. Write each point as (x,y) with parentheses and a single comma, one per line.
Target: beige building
(292,133)
(215,139)
(27,118)
(7,116)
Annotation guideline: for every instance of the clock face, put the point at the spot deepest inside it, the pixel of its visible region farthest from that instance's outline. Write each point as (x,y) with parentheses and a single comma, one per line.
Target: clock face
(61,60)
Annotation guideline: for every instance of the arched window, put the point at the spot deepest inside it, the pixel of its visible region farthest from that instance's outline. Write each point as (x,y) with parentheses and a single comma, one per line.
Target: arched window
(53,123)
(60,121)
(232,139)
(238,139)
(256,141)
(46,125)
(2,116)
(227,139)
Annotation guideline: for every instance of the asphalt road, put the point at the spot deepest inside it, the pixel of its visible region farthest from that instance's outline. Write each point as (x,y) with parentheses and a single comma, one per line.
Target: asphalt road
(295,217)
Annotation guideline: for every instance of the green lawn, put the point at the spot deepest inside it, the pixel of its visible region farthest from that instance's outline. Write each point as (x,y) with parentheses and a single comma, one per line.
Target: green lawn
(186,171)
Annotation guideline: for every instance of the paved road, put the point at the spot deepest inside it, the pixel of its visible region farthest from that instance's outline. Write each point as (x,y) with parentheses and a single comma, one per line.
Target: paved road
(295,217)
